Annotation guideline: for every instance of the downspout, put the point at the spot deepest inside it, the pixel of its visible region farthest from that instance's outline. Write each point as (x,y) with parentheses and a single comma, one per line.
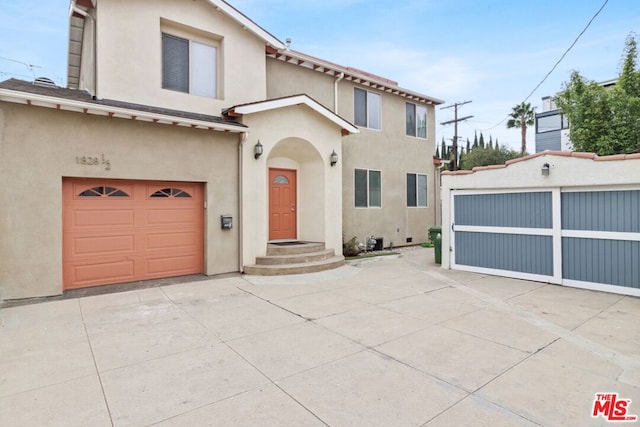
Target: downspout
(335,92)
(74,8)
(242,138)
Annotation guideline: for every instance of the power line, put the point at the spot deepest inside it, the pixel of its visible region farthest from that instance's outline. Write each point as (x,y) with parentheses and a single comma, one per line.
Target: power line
(30,67)
(557,62)
(455,134)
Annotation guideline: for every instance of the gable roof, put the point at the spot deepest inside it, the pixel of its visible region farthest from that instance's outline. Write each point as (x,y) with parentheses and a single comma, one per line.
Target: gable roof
(22,92)
(288,101)
(349,73)
(79,10)
(247,23)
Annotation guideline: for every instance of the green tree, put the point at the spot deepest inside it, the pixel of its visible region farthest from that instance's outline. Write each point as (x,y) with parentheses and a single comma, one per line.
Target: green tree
(522,117)
(468,145)
(487,156)
(605,120)
(475,140)
(438,153)
(443,151)
(490,141)
(481,140)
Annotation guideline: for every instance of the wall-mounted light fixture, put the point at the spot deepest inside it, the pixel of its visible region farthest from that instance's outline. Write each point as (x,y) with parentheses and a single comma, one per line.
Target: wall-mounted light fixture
(257,150)
(333,158)
(545,169)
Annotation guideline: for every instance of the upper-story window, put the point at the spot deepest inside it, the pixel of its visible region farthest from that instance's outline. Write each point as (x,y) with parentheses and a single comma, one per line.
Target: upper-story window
(416,120)
(189,66)
(367,108)
(551,123)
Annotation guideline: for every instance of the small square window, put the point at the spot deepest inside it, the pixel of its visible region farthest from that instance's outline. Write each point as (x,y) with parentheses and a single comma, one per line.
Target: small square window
(189,66)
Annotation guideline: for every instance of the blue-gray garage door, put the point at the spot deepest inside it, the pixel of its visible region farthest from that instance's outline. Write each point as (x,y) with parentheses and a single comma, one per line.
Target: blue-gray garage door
(588,239)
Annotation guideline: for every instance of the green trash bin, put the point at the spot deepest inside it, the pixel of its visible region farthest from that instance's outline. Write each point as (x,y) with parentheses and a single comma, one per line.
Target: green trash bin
(433,232)
(438,248)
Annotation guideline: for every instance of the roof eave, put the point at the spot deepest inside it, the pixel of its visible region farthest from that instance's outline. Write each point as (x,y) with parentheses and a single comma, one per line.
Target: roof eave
(289,101)
(32,99)
(350,74)
(247,23)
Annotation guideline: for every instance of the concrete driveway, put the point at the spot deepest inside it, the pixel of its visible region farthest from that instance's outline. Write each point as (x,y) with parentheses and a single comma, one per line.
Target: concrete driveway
(395,342)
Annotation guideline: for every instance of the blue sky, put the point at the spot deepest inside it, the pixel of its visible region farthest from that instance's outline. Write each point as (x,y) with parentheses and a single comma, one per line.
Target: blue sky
(490,52)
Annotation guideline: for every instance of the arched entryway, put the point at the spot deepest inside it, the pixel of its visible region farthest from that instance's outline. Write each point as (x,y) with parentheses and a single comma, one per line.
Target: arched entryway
(296,191)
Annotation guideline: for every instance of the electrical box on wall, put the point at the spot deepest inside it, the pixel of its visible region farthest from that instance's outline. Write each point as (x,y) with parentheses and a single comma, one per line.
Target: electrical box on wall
(226,222)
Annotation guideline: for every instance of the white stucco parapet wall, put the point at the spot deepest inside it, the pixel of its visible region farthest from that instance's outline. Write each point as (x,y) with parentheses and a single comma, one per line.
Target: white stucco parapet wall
(566,170)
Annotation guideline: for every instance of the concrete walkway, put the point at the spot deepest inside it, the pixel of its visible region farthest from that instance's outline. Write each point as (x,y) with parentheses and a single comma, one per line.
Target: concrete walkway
(396,342)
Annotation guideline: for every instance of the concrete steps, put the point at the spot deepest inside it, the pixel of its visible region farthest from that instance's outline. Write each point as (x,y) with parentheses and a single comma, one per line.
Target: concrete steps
(295,258)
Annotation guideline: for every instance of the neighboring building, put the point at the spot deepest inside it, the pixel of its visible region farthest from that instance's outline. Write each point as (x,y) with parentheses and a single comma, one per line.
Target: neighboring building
(188,140)
(552,127)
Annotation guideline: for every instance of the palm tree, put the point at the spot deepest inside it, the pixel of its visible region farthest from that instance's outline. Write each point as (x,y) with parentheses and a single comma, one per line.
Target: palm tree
(522,117)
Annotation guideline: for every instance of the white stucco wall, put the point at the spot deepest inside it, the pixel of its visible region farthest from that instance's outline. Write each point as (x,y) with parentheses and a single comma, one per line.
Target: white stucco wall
(129,46)
(296,138)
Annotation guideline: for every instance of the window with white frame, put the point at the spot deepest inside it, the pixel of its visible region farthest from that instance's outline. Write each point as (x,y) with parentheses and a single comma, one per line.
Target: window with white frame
(189,66)
(416,190)
(367,109)
(368,188)
(416,120)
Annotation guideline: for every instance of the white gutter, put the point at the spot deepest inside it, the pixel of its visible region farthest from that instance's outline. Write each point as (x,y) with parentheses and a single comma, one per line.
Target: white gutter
(335,93)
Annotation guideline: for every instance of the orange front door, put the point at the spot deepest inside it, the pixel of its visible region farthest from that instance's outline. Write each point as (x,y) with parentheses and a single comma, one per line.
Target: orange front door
(122,231)
(282,204)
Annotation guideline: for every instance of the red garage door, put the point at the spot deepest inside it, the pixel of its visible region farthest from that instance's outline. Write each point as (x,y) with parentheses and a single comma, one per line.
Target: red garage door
(123,231)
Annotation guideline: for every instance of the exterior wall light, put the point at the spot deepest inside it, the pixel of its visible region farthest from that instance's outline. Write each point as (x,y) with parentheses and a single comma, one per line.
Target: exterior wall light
(545,169)
(257,150)
(333,158)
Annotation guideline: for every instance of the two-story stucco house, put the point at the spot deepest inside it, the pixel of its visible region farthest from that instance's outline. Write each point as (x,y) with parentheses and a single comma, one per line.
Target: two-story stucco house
(192,141)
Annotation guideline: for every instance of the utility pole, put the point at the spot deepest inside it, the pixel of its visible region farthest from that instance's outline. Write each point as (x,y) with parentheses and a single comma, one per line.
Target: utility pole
(454,162)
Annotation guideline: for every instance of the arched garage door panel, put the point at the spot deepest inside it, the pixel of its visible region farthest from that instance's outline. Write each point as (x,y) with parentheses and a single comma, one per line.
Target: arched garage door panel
(122,231)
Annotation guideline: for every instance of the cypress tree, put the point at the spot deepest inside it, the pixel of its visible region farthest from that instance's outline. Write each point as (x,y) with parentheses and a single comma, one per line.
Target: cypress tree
(481,140)
(475,140)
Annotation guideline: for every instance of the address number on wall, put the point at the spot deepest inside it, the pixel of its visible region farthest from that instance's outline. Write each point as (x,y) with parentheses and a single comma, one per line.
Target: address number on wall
(94,161)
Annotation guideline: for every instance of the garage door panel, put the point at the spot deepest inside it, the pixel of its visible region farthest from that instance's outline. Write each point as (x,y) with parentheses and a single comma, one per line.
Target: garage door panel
(103,273)
(507,252)
(171,216)
(103,245)
(100,217)
(611,262)
(111,238)
(171,240)
(187,264)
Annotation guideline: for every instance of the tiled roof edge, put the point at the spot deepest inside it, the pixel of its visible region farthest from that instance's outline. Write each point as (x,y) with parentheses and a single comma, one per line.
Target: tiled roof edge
(577,154)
